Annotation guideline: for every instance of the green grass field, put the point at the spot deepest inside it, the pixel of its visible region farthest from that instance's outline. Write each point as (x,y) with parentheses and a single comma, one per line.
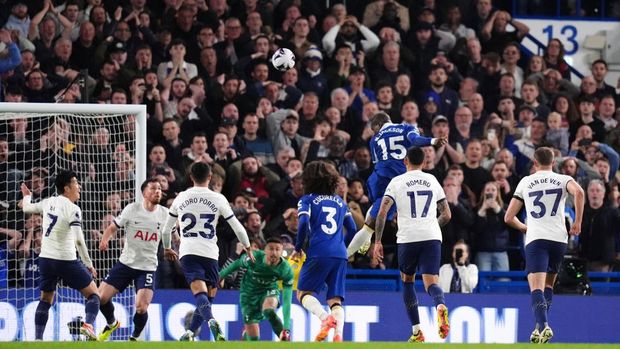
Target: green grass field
(276,345)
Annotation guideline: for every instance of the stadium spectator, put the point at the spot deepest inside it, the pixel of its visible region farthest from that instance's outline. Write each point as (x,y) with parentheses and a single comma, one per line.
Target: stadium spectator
(598,238)
(554,58)
(492,235)
(459,276)
(462,218)
(494,34)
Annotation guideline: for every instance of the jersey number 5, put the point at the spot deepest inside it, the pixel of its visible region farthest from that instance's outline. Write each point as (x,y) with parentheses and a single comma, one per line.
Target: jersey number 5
(427,204)
(331,226)
(208,218)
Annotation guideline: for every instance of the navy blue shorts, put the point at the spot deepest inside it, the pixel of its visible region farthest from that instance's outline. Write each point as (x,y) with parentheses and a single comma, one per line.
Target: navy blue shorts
(423,257)
(317,272)
(200,268)
(73,273)
(544,256)
(121,276)
(376,186)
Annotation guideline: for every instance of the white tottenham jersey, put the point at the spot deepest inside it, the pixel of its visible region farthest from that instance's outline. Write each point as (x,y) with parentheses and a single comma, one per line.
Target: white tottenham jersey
(142,235)
(59,215)
(416,194)
(198,210)
(544,195)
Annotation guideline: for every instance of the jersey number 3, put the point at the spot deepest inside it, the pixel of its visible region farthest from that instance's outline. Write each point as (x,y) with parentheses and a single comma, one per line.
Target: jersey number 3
(331,226)
(208,218)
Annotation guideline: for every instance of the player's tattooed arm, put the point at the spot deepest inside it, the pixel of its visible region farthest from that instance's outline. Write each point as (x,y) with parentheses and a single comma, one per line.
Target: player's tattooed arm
(444,212)
(386,203)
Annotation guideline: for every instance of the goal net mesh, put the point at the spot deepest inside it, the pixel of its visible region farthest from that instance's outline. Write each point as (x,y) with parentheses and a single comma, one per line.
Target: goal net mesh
(34,147)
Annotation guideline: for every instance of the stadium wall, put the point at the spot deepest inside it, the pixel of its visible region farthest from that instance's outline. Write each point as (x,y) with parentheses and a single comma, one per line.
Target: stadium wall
(371,316)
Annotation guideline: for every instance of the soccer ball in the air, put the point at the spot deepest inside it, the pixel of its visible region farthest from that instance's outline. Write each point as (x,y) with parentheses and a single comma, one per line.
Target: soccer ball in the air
(283,59)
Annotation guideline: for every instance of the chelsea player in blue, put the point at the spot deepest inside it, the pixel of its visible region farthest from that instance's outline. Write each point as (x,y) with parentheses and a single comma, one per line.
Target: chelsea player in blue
(322,215)
(388,148)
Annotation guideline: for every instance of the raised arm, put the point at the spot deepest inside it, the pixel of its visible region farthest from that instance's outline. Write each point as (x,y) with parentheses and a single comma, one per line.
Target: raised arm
(27,206)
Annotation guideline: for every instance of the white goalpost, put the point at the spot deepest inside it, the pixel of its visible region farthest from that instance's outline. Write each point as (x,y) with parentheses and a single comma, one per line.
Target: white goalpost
(106,146)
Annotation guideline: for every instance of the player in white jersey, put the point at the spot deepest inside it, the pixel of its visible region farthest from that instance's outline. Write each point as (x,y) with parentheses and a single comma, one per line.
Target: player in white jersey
(198,209)
(544,194)
(418,197)
(142,222)
(62,234)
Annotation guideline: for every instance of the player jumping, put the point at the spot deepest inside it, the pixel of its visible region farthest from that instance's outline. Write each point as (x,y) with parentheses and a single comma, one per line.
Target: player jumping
(198,209)
(322,214)
(259,294)
(142,222)
(417,197)
(62,220)
(544,194)
(388,148)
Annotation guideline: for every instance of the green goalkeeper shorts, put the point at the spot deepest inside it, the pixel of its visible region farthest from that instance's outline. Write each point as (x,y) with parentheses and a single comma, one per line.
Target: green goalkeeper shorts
(252,304)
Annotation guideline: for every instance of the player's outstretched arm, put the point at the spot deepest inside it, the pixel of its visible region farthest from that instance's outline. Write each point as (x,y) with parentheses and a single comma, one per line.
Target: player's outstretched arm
(27,206)
(80,244)
(239,263)
(445,215)
(576,190)
(242,235)
(108,234)
(511,215)
(386,204)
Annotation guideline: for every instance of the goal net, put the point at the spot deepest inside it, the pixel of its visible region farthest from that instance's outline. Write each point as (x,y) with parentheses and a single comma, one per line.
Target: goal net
(106,146)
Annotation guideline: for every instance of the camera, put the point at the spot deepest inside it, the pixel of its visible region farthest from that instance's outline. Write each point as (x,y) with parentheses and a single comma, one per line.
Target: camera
(160,170)
(149,87)
(459,254)
(585,142)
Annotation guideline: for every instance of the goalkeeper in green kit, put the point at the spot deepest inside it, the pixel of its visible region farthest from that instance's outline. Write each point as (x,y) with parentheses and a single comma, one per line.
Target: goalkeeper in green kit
(259,294)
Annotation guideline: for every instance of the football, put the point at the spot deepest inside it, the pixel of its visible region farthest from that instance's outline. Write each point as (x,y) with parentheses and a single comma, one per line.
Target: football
(283,59)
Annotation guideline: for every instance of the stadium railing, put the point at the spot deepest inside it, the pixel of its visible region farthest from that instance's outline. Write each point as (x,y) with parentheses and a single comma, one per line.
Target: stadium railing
(488,281)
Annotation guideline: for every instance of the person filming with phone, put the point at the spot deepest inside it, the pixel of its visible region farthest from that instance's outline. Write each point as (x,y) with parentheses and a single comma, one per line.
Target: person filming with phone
(492,237)
(459,276)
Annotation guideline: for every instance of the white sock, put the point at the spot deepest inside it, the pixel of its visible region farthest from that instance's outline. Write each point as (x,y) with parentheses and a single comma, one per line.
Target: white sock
(361,237)
(314,306)
(415,328)
(338,313)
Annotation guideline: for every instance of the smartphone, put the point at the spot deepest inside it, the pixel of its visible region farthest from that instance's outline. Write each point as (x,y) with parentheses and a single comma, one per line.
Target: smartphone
(488,196)
(491,134)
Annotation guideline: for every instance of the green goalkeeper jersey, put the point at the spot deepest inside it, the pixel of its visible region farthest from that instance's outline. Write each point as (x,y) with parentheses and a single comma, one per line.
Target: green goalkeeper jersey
(260,276)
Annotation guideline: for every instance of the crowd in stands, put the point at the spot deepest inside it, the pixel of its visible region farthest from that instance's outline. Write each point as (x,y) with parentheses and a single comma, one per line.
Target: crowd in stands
(453,68)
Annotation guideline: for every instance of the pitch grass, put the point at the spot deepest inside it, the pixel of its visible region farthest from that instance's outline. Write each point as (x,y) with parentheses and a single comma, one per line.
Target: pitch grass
(276,345)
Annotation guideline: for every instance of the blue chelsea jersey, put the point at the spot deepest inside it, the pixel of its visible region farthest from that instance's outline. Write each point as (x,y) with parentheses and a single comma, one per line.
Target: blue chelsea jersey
(326,234)
(389,146)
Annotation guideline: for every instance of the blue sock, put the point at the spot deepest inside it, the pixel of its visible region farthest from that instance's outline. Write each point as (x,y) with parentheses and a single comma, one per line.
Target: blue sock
(211,299)
(40,318)
(197,321)
(437,294)
(203,307)
(411,303)
(139,321)
(92,308)
(107,309)
(548,297)
(539,306)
